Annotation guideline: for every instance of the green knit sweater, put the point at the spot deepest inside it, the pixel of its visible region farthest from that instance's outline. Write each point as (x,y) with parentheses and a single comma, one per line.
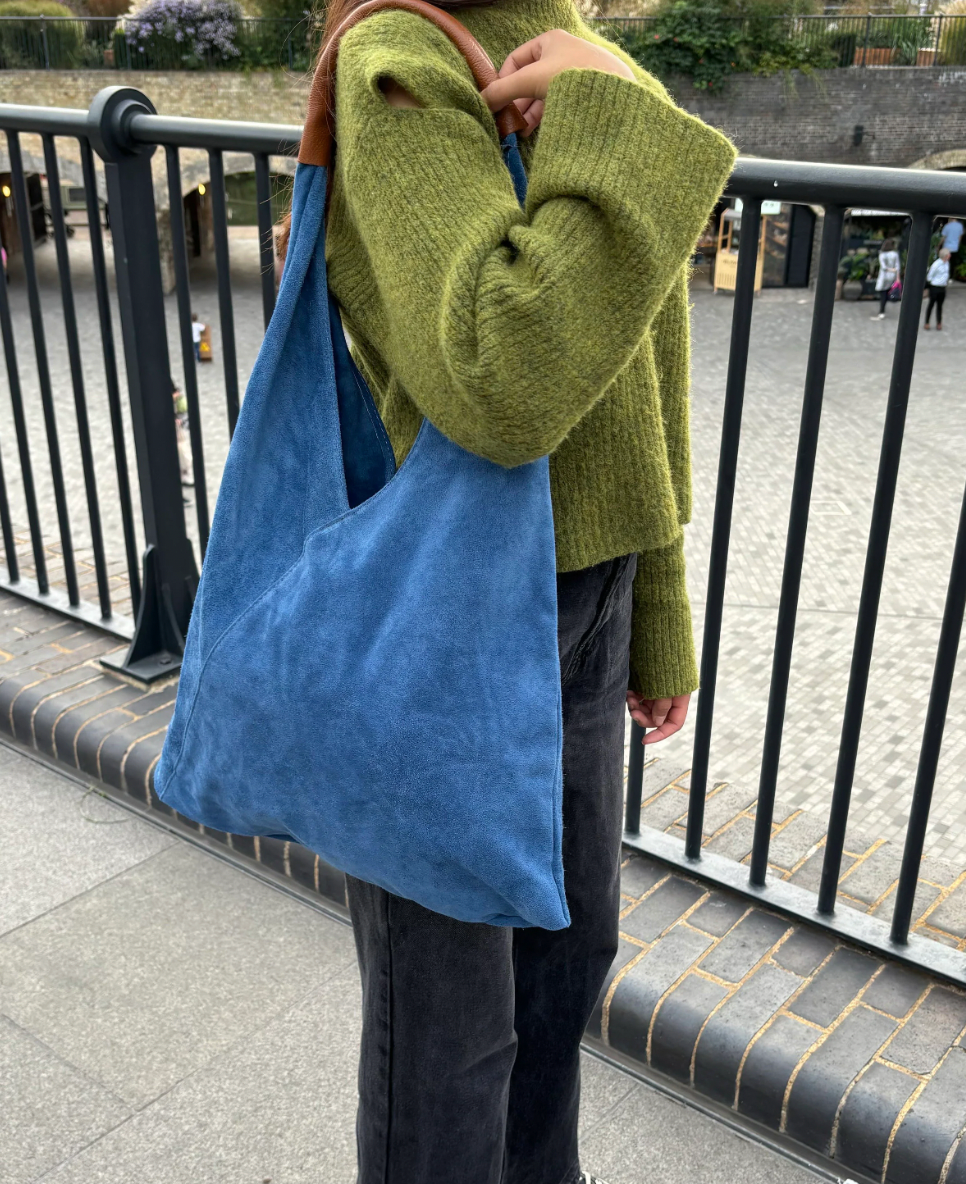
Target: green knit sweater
(561,328)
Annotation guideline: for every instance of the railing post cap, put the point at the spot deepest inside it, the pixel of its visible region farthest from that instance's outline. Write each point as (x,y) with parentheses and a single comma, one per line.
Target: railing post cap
(109,118)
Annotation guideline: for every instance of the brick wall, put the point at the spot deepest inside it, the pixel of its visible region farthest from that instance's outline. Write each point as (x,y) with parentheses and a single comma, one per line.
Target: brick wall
(263,96)
(907,114)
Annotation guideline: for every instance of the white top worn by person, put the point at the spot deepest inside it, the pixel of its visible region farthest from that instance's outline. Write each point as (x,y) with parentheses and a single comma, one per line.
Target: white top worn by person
(888,270)
(197,328)
(938,275)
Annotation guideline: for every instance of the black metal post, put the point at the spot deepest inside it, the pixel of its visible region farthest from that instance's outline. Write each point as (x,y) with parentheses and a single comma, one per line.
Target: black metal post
(795,542)
(932,736)
(724,500)
(179,250)
(885,492)
(170,574)
(635,781)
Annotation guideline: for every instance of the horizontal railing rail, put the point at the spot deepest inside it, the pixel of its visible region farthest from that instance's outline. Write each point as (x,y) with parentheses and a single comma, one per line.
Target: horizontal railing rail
(119,134)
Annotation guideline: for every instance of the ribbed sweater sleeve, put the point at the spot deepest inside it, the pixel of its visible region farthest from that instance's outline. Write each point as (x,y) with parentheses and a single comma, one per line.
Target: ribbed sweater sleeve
(663,662)
(506,325)
(662,642)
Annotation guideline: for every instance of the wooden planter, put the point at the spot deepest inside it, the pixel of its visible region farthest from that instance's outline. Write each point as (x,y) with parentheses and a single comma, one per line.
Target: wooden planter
(874,56)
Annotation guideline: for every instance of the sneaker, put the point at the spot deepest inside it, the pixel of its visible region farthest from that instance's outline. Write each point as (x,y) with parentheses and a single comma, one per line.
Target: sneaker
(878,316)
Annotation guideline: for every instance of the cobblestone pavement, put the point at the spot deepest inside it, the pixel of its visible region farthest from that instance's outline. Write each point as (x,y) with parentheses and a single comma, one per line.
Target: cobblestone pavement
(870,865)
(931,481)
(165,1017)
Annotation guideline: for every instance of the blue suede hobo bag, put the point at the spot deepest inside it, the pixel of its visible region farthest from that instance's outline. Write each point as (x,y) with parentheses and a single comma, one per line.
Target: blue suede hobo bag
(371,667)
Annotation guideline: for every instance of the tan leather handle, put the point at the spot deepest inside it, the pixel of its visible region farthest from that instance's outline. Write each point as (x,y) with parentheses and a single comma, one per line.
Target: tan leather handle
(318,134)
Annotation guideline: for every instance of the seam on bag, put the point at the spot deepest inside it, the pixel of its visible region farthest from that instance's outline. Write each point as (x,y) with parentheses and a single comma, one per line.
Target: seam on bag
(393,480)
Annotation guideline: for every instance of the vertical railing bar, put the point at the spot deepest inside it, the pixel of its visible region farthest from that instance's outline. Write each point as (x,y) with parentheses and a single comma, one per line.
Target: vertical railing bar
(811,418)
(635,780)
(23,446)
(76,372)
(9,542)
(885,490)
(22,203)
(182,284)
(6,524)
(723,506)
(932,735)
(110,373)
(220,226)
(266,250)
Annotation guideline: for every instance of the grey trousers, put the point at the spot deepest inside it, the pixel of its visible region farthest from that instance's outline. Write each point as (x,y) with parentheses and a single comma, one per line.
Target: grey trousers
(469,1070)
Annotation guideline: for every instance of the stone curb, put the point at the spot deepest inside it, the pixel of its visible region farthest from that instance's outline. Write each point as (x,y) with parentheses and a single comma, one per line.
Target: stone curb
(852,1057)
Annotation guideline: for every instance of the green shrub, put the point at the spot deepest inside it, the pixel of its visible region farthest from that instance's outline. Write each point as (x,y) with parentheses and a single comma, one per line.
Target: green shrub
(952,41)
(709,40)
(25,44)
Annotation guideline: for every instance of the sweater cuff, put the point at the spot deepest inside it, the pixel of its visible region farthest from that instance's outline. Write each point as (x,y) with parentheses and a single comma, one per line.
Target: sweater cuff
(603,133)
(663,662)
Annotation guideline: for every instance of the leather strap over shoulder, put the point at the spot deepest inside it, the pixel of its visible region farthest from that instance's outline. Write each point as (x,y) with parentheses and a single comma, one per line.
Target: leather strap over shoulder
(319,132)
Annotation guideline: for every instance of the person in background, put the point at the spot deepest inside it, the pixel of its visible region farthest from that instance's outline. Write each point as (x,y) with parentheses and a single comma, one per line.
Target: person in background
(197,328)
(888,274)
(181,431)
(937,277)
(951,235)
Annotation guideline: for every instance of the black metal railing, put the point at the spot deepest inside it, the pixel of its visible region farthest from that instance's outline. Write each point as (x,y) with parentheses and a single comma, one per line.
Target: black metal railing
(836,188)
(156,555)
(146,43)
(158,582)
(823,41)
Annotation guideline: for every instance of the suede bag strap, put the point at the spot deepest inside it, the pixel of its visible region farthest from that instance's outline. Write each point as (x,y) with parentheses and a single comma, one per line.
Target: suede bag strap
(318,135)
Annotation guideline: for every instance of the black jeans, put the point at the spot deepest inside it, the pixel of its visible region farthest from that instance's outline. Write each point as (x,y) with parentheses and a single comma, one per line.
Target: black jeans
(937,294)
(469,1070)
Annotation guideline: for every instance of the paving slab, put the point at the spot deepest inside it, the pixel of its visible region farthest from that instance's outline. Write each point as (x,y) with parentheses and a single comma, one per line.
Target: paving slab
(277,1104)
(60,840)
(650,1139)
(48,1109)
(164,966)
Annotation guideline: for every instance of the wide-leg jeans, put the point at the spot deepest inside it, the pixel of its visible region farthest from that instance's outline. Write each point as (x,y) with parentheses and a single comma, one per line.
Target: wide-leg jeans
(470,1062)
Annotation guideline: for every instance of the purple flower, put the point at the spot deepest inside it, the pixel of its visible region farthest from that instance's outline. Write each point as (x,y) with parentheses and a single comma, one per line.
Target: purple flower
(203,26)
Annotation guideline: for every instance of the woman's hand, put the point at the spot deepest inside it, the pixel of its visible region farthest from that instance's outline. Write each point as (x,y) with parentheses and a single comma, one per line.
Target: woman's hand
(665,716)
(525,76)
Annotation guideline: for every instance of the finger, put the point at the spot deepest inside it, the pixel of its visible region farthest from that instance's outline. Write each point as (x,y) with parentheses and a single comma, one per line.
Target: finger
(523,55)
(673,723)
(526,83)
(533,115)
(524,105)
(659,710)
